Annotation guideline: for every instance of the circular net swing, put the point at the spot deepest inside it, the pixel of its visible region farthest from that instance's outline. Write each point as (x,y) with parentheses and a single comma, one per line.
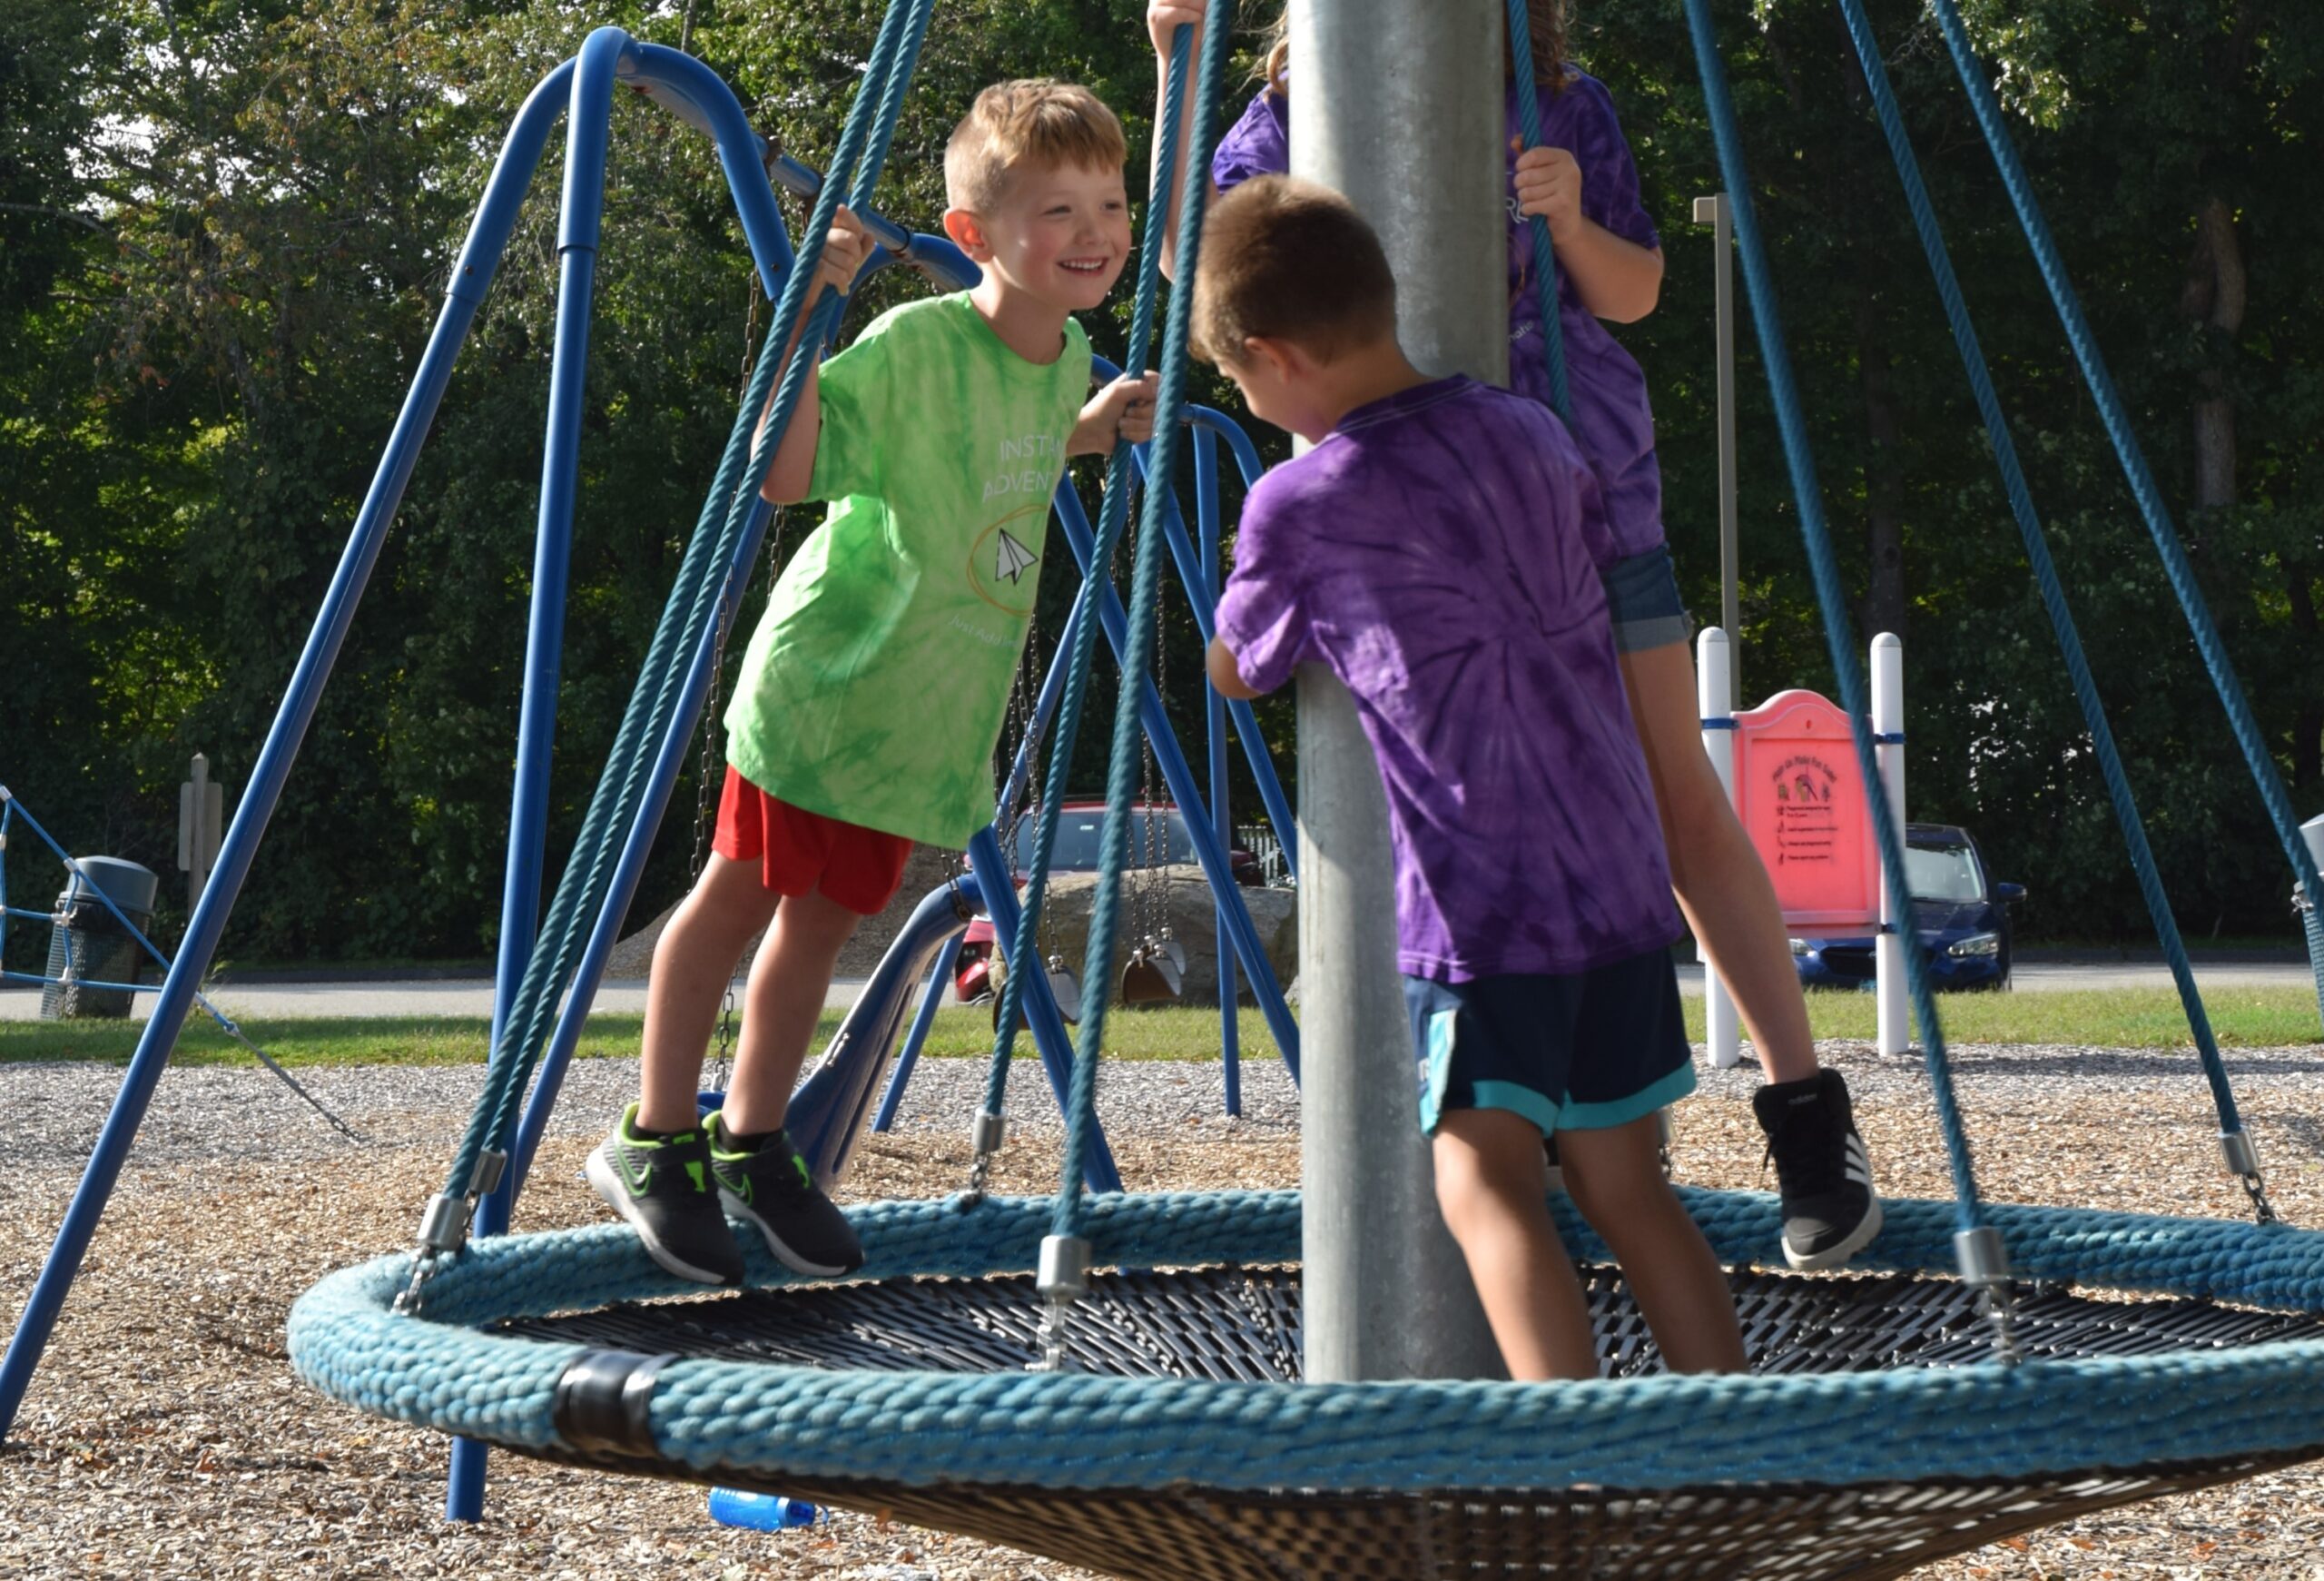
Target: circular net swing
(1151,1422)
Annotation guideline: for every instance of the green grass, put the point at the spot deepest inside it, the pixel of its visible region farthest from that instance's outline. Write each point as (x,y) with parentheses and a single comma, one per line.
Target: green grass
(2134,1018)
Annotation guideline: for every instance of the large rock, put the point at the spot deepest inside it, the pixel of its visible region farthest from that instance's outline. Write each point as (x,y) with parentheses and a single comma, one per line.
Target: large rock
(1182,895)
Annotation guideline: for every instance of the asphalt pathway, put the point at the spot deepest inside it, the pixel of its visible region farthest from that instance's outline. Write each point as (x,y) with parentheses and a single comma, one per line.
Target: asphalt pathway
(472,997)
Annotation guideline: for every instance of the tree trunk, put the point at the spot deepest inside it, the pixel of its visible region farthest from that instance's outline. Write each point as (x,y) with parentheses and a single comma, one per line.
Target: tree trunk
(2213,298)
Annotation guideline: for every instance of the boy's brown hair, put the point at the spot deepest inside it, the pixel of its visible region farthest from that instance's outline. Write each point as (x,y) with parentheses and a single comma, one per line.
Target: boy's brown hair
(1033,120)
(1290,260)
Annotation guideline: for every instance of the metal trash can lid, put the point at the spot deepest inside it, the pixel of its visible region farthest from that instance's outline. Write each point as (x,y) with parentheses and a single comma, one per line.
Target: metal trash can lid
(131,885)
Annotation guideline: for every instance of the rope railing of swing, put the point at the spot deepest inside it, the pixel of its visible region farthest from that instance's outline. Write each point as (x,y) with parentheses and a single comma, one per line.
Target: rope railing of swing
(2046,579)
(1070,1204)
(1981,1256)
(2115,417)
(1112,512)
(731,503)
(1545,259)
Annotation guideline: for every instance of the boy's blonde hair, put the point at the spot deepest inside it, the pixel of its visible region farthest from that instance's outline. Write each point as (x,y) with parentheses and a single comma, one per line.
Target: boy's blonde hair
(1036,122)
(1289,260)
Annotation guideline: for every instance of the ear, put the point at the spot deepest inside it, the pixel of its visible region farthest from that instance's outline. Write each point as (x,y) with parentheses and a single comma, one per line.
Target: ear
(1282,358)
(967,232)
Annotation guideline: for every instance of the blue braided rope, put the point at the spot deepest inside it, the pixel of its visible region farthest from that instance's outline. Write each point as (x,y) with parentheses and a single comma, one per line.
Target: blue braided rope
(1067,1430)
(692,605)
(2037,554)
(2314,919)
(1545,263)
(1829,593)
(2096,374)
(1138,656)
(1113,510)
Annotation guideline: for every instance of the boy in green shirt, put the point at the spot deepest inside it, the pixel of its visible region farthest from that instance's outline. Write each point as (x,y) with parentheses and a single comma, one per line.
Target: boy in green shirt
(874,689)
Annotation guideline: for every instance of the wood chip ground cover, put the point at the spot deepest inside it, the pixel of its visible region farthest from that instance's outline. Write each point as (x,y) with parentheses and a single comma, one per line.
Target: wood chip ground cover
(166,1437)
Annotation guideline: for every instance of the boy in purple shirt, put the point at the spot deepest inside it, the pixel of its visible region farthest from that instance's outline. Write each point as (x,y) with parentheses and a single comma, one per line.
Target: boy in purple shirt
(1437,550)
(1583,183)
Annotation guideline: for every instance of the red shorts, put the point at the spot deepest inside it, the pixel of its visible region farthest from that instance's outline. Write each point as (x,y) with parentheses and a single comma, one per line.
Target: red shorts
(799,851)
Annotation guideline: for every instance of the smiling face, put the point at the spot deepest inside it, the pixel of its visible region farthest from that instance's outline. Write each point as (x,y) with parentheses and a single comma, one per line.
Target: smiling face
(1056,236)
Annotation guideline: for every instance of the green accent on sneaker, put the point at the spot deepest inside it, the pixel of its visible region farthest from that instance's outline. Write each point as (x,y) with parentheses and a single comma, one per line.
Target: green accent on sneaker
(639,1181)
(694,1173)
(806,1178)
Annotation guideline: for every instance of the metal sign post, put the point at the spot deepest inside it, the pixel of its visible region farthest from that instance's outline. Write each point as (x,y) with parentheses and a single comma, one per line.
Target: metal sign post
(1716,212)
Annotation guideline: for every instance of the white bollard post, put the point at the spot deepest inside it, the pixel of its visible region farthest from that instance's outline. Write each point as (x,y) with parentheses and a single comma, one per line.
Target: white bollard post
(1714,689)
(1895,1032)
(201,804)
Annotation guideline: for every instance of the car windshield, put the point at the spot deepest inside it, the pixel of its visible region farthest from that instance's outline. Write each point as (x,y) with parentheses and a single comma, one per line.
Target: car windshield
(1947,873)
(1080,833)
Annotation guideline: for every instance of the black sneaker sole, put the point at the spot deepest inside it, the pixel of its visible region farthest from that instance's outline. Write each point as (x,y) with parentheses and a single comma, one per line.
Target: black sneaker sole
(1840,1251)
(738,1210)
(616,1195)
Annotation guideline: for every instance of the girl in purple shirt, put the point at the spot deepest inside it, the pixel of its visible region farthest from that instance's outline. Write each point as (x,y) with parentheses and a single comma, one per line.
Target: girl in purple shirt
(1583,181)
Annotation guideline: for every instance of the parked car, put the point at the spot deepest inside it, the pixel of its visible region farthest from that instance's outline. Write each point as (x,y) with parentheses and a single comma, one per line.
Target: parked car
(1962,917)
(1080,832)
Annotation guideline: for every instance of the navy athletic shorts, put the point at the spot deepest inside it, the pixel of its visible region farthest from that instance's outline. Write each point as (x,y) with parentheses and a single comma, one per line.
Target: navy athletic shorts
(1582,1053)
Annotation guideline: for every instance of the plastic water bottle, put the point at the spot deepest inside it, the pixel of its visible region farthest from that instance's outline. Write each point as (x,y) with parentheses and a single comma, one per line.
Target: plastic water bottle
(765,1512)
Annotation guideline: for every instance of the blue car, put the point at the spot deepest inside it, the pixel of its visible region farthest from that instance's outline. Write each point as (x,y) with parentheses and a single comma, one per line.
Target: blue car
(1963,919)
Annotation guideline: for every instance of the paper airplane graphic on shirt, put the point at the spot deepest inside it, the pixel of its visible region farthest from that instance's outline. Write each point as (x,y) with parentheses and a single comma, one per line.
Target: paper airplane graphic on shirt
(1013,560)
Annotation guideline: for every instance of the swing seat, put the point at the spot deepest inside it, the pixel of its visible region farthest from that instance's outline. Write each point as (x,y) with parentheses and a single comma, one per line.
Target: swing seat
(1148,979)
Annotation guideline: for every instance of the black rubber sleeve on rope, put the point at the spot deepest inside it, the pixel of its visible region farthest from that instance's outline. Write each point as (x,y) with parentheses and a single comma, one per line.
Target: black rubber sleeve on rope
(603,1403)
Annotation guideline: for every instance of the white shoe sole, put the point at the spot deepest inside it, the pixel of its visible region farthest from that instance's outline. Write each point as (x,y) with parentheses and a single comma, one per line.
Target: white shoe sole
(1833,1256)
(736,1208)
(616,1195)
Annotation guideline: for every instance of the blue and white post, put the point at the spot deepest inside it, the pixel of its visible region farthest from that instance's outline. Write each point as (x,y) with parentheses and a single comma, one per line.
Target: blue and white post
(1895,1030)
(1714,698)
(2311,906)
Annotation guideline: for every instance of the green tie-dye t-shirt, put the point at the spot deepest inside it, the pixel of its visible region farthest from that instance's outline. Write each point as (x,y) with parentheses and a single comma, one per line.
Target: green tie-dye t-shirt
(876,682)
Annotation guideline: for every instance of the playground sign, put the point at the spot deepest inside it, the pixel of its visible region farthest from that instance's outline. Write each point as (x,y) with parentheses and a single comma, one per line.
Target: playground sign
(1801,798)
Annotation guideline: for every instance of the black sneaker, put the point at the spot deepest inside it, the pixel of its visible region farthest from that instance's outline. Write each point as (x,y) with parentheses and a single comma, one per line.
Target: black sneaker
(1829,1210)
(769,1188)
(662,1186)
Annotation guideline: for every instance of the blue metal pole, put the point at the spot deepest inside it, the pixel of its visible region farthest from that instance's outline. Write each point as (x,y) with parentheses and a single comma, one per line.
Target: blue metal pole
(1230,1053)
(698,97)
(931,999)
(1040,1006)
(587,130)
(493,1213)
(471,277)
(1186,794)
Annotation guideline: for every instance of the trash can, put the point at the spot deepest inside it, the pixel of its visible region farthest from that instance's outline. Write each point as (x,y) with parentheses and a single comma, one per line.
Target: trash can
(87,945)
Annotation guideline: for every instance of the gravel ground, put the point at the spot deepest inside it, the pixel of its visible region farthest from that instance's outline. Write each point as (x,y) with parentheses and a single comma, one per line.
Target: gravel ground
(166,1437)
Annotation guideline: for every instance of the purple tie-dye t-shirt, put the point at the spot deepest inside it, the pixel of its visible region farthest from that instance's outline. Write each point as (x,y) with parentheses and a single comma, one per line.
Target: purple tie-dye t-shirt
(1437,551)
(1612,420)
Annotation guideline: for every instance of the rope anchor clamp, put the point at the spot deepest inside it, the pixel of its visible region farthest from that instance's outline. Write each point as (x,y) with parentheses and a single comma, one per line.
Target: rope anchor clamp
(444,1227)
(986,1135)
(2243,1162)
(1984,1262)
(1063,1279)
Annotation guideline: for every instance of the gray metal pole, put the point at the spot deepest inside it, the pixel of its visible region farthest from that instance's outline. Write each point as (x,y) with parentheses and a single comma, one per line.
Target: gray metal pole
(1720,215)
(1399,107)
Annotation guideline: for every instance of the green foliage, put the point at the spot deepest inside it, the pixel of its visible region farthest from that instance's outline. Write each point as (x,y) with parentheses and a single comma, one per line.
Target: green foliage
(226,227)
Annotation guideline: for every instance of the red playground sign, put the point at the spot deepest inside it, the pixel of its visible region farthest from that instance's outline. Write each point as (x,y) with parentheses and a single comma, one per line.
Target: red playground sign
(1801,798)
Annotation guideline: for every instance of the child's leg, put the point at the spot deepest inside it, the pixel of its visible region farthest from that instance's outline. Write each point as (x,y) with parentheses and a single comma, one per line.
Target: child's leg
(784,999)
(1721,885)
(1615,1178)
(1492,1187)
(693,960)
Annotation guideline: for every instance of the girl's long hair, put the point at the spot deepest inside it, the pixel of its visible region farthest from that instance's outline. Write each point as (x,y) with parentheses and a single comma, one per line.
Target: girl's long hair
(1546,19)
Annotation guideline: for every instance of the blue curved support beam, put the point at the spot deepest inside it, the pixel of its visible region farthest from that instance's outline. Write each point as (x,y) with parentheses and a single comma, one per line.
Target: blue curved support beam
(932,1000)
(1188,796)
(472,275)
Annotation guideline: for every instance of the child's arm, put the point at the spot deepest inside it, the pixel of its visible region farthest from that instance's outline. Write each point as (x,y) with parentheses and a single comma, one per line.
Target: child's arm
(1616,278)
(1225,676)
(1123,410)
(792,474)
(1163,19)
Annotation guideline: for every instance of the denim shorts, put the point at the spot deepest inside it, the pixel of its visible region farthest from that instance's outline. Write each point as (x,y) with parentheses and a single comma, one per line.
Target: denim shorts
(1586,1051)
(1642,601)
